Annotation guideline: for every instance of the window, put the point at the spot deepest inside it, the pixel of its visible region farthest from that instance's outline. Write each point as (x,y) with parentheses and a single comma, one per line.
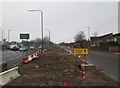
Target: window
(115,39)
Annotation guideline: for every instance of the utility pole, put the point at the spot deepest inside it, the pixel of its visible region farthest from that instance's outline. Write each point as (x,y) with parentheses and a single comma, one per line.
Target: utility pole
(88,33)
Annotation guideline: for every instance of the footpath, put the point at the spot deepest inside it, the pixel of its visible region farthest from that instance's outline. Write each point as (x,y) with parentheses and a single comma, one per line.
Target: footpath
(58,68)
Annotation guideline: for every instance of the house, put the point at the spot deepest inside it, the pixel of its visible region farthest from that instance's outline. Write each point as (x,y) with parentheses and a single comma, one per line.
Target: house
(109,41)
(114,38)
(96,41)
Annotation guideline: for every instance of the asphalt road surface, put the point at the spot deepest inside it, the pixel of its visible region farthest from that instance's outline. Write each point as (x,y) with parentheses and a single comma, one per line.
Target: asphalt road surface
(50,69)
(107,61)
(11,55)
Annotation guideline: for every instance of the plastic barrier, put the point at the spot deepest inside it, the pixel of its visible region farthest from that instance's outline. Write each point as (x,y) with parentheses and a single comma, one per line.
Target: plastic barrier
(8,75)
(25,60)
(30,58)
(34,56)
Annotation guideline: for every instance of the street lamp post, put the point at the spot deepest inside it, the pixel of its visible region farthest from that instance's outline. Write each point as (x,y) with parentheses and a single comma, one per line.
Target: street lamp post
(88,32)
(41,23)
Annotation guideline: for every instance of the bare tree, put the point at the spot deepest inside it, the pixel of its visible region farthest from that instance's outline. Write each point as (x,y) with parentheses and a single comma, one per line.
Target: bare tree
(79,36)
(46,39)
(37,40)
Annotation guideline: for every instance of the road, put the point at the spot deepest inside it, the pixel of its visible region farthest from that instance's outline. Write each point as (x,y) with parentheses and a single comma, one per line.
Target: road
(50,69)
(11,55)
(106,61)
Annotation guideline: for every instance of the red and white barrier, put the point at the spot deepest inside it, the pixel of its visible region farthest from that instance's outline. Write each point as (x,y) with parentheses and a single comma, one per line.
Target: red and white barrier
(25,60)
(34,56)
(83,70)
(84,78)
(97,67)
(30,57)
(84,73)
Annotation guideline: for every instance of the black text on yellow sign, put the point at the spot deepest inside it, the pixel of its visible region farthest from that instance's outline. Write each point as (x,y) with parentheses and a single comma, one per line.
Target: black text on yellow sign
(80,51)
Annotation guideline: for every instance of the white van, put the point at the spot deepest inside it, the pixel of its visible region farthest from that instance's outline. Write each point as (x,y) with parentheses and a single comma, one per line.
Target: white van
(14,47)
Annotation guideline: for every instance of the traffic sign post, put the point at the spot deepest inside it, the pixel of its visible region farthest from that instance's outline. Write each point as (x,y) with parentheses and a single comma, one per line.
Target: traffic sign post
(82,51)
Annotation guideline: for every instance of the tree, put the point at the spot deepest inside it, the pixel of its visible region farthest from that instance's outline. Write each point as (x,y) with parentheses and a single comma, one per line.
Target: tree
(46,39)
(80,36)
(37,40)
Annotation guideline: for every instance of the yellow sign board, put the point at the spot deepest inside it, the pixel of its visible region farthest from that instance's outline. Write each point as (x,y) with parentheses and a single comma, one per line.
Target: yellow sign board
(80,51)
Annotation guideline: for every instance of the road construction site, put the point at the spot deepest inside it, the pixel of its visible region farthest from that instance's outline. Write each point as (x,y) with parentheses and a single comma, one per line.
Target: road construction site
(56,67)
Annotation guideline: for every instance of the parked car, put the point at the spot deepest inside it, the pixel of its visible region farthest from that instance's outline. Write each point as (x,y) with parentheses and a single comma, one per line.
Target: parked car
(32,47)
(40,47)
(14,47)
(24,48)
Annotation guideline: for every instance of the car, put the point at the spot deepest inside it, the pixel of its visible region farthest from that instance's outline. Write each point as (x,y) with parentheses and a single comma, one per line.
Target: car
(40,47)
(24,48)
(14,47)
(32,47)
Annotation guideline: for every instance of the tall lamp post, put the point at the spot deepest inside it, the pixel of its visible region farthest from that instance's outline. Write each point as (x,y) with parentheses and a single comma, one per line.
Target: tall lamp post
(88,35)
(31,10)
(88,32)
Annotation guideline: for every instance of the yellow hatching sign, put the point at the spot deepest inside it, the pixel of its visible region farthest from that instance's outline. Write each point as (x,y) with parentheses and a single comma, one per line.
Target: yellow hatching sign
(80,51)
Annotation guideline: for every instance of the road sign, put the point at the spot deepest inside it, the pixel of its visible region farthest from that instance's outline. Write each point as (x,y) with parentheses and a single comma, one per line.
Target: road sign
(24,36)
(80,51)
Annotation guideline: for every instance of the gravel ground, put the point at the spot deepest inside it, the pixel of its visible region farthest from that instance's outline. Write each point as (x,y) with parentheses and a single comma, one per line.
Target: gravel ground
(51,70)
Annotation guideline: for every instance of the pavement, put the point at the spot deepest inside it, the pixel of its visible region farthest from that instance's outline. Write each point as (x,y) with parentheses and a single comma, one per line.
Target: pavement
(107,61)
(50,69)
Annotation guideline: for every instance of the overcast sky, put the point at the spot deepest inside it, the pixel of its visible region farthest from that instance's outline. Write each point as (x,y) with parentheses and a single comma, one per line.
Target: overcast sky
(64,19)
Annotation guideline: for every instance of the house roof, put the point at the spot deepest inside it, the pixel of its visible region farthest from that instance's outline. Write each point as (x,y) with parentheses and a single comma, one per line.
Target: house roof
(94,38)
(100,37)
(116,35)
(105,35)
